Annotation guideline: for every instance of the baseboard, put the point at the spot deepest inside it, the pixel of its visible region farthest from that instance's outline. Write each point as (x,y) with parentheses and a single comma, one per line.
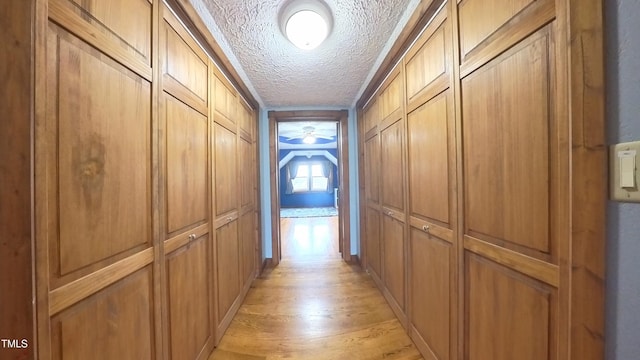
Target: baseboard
(267,262)
(355,260)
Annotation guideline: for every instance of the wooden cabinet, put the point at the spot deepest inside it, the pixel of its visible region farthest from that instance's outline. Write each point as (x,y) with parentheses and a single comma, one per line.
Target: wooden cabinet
(189,299)
(384,192)
(146,239)
(234,199)
(502,101)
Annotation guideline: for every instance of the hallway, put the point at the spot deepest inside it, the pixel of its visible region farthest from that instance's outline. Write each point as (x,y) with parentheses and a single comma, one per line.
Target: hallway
(314,306)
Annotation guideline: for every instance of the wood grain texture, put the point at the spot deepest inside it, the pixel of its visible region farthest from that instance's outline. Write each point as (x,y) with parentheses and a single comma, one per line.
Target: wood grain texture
(85,23)
(227,269)
(589,178)
(373,241)
(186,162)
(310,238)
(421,17)
(225,173)
(501,305)
(73,292)
(394,261)
(372,169)
(199,29)
(392,161)
(506,144)
(315,308)
(428,63)
(184,63)
(115,323)
(479,19)
(98,122)
(189,300)
(17,23)
(431,294)
(428,163)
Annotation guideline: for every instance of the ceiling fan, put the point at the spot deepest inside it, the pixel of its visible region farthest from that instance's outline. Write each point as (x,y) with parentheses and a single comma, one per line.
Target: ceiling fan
(308,134)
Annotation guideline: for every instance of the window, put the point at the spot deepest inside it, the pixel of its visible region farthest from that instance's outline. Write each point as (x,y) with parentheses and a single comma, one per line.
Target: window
(309,176)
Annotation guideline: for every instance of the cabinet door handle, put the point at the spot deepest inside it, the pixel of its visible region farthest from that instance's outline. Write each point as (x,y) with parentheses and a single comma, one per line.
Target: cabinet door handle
(426,228)
(192,237)
(229,218)
(390,213)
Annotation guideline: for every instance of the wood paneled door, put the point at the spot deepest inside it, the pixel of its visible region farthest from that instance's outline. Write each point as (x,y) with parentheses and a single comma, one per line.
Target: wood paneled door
(500,138)
(137,202)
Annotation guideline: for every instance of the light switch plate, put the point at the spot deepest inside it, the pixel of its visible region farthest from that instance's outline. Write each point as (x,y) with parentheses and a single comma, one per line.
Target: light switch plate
(624,172)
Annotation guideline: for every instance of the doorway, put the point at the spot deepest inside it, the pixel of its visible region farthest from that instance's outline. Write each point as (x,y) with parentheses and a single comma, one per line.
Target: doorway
(302,177)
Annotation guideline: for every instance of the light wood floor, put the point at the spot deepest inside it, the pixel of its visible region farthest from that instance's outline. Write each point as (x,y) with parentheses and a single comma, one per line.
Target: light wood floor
(314,306)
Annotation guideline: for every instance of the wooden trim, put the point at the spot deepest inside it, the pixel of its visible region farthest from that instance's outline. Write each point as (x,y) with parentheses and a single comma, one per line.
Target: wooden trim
(157,221)
(420,18)
(67,19)
(184,9)
(534,268)
(41,258)
(67,295)
(433,229)
(534,18)
(178,241)
(588,178)
(274,175)
(17,23)
(340,116)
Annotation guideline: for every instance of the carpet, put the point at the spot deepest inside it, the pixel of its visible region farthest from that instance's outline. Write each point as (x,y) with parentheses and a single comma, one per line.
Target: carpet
(308,212)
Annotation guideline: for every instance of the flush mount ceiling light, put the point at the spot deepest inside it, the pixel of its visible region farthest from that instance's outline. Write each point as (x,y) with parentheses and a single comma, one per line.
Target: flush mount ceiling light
(306,23)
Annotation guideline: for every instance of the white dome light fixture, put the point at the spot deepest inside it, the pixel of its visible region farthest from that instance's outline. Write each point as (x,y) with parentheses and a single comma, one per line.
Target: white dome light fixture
(306,23)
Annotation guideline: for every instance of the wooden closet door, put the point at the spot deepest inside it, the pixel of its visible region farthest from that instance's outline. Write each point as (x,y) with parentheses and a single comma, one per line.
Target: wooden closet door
(188,284)
(95,282)
(393,217)
(372,194)
(515,146)
(227,188)
(432,199)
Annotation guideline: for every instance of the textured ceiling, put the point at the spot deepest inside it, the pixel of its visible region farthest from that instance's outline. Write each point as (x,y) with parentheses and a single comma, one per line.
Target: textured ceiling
(281,75)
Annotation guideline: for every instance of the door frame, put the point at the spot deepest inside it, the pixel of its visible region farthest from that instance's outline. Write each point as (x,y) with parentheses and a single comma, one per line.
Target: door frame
(344,229)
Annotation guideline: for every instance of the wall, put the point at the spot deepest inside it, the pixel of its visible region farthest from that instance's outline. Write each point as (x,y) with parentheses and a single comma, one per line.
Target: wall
(623,227)
(312,199)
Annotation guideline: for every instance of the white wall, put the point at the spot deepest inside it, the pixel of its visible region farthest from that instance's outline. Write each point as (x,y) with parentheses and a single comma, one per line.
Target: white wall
(623,223)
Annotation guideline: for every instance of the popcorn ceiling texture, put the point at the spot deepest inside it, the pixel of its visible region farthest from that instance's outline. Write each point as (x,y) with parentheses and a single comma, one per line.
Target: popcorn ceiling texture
(285,76)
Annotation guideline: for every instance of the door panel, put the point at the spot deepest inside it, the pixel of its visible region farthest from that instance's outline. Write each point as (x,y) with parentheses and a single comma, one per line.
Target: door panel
(114,323)
(391,145)
(428,144)
(394,261)
(374,249)
(227,268)
(189,300)
(99,119)
(248,241)
(186,165)
(372,169)
(431,291)
(226,177)
(506,144)
(508,316)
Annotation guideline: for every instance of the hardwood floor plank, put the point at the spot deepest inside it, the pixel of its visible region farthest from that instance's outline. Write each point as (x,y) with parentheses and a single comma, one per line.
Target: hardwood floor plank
(314,306)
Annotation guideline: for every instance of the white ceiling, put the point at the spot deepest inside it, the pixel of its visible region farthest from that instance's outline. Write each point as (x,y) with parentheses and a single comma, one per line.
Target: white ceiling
(281,75)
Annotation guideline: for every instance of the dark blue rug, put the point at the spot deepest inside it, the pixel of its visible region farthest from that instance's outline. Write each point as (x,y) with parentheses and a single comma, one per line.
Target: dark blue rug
(308,212)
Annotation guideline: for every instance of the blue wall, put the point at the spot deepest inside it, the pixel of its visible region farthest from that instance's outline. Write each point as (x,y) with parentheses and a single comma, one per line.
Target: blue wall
(623,228)
(314,199)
